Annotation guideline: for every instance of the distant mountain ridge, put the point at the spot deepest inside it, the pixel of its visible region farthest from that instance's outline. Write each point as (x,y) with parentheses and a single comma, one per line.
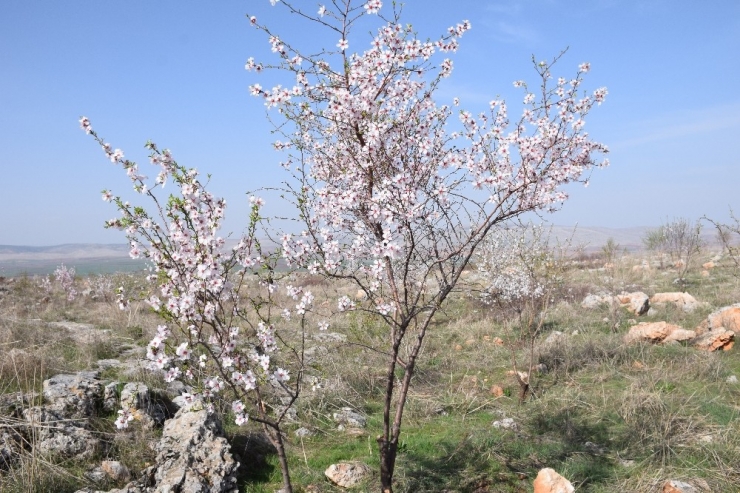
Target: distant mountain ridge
(66,249)
(110,257)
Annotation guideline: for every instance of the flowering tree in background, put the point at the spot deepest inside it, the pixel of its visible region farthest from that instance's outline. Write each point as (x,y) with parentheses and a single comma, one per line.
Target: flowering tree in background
(219,337)
(394,196)
(65,276)
(521,270)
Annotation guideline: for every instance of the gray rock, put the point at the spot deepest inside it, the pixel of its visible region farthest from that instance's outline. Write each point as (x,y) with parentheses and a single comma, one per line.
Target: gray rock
(104,364)
(56,434)
(97,475)
(193,456)
(348,474)
(10,449)
(176,387)
(12,405)
(347,416)
(554,338)
(506,424)
(596,300)
(137,396)
(77,395)
(110,397)
(303,432)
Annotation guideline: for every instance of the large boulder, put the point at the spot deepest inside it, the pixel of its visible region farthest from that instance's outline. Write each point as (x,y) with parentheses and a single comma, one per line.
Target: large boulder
(714,340)
(637,302)
(348,474)
(54,433)
(549,481)
(78,395)
(146,408)
(194,456)
(684,301)
(727,318)
(655,332)
(596,300)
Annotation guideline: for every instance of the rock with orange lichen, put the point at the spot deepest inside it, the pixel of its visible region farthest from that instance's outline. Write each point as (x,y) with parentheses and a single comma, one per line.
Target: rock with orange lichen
(549,481)
(714,340)
(727,318)
(654,332)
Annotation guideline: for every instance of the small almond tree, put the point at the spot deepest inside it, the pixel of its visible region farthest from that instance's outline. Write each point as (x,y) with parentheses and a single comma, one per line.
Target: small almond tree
(393,195)
(680,239)
(727,235)
(220,337)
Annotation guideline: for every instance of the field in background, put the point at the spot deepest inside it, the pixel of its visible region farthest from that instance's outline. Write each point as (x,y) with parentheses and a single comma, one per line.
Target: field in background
(102,259)
(609,416)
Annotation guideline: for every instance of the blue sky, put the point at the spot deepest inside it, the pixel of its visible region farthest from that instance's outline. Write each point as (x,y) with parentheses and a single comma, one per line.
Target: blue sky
(173,71)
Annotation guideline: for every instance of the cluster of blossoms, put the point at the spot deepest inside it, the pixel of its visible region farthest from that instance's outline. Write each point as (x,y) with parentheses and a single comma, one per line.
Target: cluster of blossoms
(378,165)
(210,341)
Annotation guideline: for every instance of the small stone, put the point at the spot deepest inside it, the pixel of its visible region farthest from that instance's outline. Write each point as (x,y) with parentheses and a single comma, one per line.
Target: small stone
(731,379)
(115,470)
(675,486)
(303,432)
(555,337)
(506,424)
(97,475)
(347,416)
(497,391)
(549,481)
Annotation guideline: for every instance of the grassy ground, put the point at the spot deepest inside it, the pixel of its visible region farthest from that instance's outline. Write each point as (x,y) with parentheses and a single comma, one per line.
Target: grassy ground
(609,417)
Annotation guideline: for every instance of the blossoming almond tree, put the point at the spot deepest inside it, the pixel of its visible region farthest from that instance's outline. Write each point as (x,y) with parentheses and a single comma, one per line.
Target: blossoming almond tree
(219,338)
(394,198)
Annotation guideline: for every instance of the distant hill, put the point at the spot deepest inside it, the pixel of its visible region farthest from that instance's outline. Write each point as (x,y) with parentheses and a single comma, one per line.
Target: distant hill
(86,258)
(70,250)
(90,258)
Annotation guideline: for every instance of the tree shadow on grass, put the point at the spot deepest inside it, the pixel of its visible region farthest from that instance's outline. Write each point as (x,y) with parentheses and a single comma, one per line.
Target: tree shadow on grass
(490,460)
(253,450)
(464,467)
(577,443)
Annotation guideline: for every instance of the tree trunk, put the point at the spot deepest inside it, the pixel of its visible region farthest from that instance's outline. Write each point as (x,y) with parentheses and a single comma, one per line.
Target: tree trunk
(387,463)
(273,432)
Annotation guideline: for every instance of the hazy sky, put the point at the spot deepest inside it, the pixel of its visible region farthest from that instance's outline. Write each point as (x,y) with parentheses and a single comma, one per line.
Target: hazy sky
(173,71)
